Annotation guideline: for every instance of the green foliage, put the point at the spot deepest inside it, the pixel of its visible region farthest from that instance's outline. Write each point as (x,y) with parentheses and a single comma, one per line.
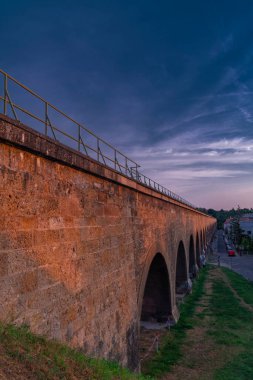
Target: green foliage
(246,244)
(236,230)
(222,215)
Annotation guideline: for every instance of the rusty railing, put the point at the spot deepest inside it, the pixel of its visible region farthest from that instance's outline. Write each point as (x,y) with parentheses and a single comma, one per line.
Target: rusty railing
(71,133)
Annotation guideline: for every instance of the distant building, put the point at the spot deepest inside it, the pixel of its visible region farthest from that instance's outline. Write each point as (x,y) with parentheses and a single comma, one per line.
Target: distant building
(228,225)
(246,225)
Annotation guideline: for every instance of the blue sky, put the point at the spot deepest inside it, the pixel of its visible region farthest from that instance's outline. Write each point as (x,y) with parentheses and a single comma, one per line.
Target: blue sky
(170,83)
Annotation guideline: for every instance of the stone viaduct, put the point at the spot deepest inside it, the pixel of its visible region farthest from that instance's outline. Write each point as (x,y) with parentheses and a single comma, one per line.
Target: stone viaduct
(85,252)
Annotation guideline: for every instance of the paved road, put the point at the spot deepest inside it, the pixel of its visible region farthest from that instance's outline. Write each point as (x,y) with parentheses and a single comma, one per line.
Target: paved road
(240,264)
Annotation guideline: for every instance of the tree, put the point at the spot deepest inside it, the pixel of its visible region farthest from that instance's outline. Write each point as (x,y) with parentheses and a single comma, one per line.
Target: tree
(247,244)
(236,232)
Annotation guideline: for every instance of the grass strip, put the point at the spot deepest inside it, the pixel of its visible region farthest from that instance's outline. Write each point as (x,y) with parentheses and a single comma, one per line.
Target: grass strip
(170,351)
(230,319)
(240,368)
(243,287)
(231,327)
(48,360)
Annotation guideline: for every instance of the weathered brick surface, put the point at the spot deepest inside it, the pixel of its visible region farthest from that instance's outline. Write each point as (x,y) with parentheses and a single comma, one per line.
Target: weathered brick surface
(76,243)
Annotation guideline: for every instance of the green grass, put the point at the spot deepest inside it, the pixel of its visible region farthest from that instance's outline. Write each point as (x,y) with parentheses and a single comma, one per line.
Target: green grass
(243,287)
(240,368)
(232,327)
(230,319)
(229,325)
(170,351)
(49,360)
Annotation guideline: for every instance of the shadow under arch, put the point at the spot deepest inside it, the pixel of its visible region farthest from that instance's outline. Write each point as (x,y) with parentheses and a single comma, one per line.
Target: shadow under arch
(181,270)
(192,262)
(205,237)
(201,242)
(156,302)
(197,250)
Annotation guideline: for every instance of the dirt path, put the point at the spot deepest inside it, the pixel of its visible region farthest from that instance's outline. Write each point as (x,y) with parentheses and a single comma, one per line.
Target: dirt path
(228,283)
(201,357)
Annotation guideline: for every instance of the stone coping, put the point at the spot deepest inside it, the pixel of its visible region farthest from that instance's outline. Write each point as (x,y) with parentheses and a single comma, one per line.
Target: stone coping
(15,133)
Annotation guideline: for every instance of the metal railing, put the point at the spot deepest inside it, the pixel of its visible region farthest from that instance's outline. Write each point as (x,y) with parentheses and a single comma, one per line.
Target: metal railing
(75,135)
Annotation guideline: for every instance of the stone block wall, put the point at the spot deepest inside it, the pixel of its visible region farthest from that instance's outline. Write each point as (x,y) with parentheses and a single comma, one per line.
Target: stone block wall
(76,242)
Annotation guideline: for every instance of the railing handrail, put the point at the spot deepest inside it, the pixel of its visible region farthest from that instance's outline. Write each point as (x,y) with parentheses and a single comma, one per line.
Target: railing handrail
(130,171)
(62,113)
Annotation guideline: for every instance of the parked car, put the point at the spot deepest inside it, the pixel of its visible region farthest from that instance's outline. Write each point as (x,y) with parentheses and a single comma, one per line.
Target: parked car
(231,252)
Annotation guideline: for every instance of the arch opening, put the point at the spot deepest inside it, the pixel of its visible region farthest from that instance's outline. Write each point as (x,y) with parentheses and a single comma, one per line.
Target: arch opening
(181,271)
(156,305)
(205,237)
(197,250)
(192,266)
(201,242)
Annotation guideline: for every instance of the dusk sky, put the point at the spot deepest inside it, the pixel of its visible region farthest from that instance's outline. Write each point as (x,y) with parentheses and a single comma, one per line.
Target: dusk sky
(170,83)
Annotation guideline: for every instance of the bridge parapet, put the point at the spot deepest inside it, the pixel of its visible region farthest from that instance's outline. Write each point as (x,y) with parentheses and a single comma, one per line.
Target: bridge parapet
(50,122)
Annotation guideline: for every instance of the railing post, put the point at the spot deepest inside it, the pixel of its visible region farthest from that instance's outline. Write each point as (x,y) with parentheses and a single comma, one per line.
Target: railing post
(46,117)
(115,159)
(5,94)
(98,149)
(79,137)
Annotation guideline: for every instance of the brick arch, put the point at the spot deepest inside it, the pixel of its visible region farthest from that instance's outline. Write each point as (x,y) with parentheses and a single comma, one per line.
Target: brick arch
(201,242)
(181,274)
(203,236)
(145,274)
(156,301)
(191,258)
(198,249)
